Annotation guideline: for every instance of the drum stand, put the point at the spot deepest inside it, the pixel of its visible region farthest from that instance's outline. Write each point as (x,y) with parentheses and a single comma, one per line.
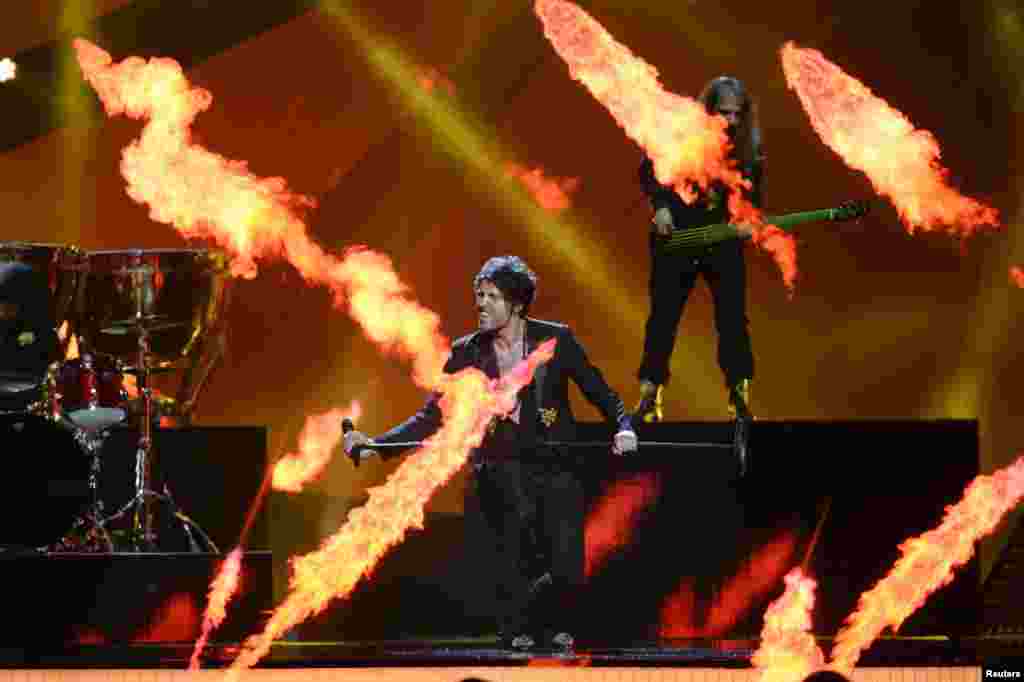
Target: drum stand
(91,524)
(143,537)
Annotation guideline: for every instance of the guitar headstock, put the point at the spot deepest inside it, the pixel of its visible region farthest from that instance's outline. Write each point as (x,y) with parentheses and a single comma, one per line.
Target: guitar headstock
(851,210)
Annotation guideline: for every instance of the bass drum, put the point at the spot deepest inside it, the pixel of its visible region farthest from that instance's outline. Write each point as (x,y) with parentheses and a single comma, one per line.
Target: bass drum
(52,481)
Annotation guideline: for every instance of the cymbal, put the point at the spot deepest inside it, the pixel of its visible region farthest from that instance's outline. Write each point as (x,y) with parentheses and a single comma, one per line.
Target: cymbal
(16,382)
(155,369)
(138,325)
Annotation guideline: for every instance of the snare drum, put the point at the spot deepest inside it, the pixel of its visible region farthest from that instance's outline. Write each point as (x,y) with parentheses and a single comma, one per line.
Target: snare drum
(90,391)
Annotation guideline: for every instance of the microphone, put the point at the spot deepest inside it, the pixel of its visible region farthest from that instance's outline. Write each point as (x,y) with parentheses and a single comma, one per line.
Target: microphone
(346,426)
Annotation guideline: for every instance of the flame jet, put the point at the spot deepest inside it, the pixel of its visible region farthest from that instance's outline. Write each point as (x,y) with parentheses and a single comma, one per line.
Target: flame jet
(688,146)
(788,651)
(223,588)
(205,195)
(334,570)
(320,437)
(928,562)
(901,161)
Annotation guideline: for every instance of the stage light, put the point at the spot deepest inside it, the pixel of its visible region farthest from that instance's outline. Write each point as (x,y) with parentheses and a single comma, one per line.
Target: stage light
(8,69)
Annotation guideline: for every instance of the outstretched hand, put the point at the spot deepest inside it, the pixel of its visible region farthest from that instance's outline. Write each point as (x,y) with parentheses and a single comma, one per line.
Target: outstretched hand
(662,221)
(355,438)
(625,442)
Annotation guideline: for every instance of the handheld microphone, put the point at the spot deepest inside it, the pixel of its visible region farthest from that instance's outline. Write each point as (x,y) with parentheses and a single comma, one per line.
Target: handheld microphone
(346,426)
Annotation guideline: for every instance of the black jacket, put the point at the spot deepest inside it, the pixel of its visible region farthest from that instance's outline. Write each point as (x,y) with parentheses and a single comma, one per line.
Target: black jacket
(711,207)
(546,414)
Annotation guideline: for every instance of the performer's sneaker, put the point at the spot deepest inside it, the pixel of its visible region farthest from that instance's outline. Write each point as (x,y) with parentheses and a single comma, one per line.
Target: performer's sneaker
(649,409)
(563,641)
(521,642)
(739,400)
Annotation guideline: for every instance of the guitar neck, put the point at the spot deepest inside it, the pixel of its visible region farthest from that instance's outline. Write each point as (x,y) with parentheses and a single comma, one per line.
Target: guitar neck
(720,232)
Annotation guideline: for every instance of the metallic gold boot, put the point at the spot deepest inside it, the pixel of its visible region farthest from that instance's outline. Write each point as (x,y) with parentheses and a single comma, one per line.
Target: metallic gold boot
(649,408)
(739,400)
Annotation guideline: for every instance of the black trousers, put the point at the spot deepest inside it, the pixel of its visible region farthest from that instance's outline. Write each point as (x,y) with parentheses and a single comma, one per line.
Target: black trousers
(673,276)
(524,523)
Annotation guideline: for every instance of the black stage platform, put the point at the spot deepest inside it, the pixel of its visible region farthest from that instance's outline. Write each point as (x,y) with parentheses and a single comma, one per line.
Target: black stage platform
(682,579)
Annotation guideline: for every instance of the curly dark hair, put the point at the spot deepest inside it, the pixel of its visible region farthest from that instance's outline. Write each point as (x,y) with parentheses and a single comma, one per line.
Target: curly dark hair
(513,278)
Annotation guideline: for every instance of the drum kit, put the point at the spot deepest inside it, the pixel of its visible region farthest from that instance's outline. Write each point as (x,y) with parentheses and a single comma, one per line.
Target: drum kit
(123,318)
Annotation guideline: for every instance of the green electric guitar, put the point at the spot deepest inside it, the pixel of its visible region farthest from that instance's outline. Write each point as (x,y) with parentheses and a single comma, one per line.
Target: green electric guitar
(720,232)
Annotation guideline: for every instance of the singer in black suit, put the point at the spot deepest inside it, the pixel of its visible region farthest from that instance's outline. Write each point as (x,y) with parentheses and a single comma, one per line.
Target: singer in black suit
(524,502)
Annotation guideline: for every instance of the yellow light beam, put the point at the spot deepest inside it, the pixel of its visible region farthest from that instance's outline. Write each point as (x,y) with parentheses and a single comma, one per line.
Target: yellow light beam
(77,137)
(469,142)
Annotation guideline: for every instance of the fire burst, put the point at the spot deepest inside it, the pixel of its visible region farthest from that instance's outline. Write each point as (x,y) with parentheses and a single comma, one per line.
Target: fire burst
(788,650)
(319,439)
(1017,276)
(688,146)
(901,162)
(789,653)
(551,193)
(223,588)
(928,561)
(469,403)
(205,195)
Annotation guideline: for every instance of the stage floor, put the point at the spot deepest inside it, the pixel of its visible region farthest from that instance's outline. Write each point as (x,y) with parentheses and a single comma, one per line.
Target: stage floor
(895,659)
(916,652)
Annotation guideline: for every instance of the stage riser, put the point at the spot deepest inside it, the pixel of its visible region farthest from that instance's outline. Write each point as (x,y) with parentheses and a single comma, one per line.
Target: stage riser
(95,600)
(708,537)
(213,473)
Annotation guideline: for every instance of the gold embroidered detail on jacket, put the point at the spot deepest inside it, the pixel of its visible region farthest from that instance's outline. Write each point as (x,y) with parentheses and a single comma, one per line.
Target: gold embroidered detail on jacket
(548,416)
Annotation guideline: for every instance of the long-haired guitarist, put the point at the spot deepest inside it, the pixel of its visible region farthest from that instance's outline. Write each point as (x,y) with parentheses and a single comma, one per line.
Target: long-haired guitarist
(673,275)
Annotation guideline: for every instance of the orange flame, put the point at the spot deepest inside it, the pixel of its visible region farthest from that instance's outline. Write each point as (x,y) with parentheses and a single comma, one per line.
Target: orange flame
(201,193)
(319,438)
(469,402)
(223,588)
(928,561)
(788,651)
(738,595)
(611,521)
(901,162)
(1017,276)
(205,195)
(551,193)
(687,145)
